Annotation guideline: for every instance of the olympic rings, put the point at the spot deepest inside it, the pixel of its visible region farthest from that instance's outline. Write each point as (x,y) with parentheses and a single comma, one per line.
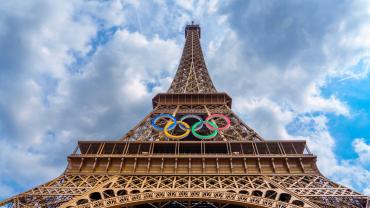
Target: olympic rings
(199,136)
(228,122)
(164,116)
(171,136)
(173,122)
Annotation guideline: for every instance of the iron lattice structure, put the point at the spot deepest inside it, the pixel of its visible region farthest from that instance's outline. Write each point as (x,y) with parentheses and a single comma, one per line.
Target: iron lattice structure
(237,168)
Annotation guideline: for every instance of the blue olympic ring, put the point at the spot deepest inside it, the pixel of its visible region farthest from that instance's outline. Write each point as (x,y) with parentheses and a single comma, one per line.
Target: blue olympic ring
(164,116)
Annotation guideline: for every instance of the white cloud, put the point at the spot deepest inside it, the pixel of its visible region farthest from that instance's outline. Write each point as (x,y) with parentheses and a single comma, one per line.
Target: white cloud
(110,13)
(362,149)
(367,191)
(21,166)
(113,87)
(266,116)
(188,5)
(35,42)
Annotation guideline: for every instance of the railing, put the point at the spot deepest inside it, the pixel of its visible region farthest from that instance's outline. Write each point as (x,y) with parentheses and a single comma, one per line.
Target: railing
(186,147)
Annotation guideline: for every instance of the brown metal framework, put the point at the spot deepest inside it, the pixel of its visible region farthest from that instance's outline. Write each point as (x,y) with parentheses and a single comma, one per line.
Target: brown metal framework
(236,169)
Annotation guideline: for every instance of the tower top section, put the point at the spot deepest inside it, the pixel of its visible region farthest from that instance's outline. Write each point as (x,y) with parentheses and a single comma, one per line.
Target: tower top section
(192,74)
(192,26)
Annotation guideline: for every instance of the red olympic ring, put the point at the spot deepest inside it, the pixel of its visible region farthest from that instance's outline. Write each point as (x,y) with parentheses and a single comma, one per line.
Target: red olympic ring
(228,122)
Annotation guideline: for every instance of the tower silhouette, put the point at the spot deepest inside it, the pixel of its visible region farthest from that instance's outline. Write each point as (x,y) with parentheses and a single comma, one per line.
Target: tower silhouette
(192,150)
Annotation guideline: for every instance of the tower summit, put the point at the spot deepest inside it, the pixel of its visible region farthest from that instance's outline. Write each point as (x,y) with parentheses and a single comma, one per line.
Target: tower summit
(192,74)
(191,150)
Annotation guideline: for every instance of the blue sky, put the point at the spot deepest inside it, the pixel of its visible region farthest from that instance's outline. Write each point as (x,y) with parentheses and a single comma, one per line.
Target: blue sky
(355,92)
(78,70)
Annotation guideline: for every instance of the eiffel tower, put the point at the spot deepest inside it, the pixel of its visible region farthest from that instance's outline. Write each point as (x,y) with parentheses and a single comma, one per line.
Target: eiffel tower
(192,150)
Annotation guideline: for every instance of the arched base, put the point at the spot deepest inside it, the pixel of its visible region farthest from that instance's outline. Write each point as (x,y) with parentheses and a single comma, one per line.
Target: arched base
(189,203)
(145,198)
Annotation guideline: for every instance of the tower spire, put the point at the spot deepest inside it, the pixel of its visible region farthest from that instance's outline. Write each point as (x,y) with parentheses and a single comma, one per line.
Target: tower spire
(192,75)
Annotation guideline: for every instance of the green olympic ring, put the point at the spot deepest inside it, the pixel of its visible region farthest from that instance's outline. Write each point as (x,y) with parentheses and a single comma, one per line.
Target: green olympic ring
(199,136)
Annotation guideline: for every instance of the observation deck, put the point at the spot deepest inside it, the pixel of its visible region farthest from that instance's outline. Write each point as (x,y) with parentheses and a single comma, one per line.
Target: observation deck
(191,99)
(192,158)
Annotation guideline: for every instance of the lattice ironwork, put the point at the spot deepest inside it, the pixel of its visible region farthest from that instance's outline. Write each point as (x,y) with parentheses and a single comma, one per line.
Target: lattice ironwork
(56,192)
(321,191)
(241,190)
(237,168)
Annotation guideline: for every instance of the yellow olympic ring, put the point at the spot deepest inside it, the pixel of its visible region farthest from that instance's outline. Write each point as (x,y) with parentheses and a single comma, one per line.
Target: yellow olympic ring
(170,136)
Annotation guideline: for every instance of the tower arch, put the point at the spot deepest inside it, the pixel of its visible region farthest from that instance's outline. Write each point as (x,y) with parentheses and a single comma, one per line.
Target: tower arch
(187,196)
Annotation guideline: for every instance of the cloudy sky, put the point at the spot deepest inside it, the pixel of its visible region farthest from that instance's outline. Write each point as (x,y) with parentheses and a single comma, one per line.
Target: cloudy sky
(76,70)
